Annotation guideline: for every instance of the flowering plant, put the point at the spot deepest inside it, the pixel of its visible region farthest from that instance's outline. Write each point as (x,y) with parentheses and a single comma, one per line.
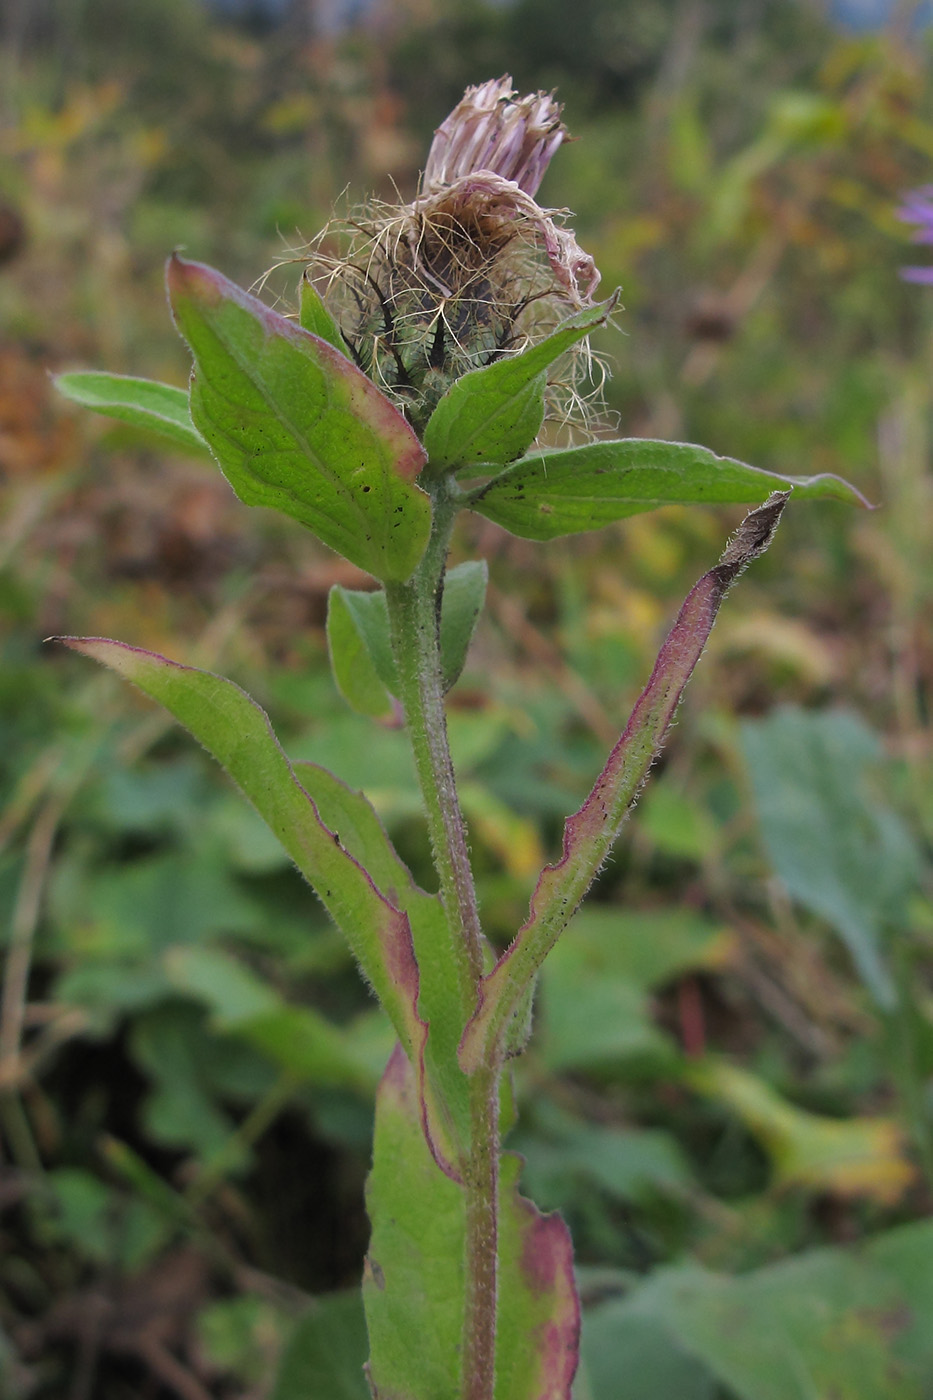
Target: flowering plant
(415,384)
(917,208)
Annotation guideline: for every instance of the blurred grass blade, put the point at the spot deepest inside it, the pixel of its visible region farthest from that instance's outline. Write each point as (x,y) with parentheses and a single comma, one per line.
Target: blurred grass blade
(590,833)
(564,492)
(848,1157)
(306,1045)
(145,403)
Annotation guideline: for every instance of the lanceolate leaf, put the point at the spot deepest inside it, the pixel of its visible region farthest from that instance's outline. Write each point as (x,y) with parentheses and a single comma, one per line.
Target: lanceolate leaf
(294,425)
(492,415)
(237,732)
(314,316)
(145,403)
(361,648)
(370,617)
(352,817)
(464,596)
(413,1281)
(352,665)
(564,492)
(590,833)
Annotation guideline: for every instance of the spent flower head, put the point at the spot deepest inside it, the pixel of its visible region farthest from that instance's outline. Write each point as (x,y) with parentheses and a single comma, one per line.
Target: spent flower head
(917,208)
(488,130)
(473,268)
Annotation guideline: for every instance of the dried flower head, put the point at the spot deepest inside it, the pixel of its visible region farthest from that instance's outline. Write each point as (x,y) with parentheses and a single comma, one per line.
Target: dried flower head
(473,268)
(487,130)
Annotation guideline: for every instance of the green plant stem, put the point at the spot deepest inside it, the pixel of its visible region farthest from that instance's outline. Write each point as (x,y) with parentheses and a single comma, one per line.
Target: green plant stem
(482,1238)
(414,615)
(414,618)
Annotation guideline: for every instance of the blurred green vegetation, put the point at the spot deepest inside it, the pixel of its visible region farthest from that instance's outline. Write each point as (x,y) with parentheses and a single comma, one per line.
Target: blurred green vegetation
(733,1059)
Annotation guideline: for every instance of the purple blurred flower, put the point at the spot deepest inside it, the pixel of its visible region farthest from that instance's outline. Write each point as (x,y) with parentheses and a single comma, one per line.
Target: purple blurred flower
(917,208)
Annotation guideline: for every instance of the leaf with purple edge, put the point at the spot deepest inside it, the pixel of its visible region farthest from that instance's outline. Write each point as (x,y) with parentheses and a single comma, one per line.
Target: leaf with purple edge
(569,490)
(237,732)
(413,1281)
(295,426)
(591,832)
(350,813)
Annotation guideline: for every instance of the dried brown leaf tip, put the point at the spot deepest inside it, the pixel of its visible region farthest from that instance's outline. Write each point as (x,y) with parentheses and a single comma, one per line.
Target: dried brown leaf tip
(473,268)
(753,536)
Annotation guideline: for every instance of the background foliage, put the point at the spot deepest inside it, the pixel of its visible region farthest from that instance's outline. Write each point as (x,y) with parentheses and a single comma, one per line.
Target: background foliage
(731,1070)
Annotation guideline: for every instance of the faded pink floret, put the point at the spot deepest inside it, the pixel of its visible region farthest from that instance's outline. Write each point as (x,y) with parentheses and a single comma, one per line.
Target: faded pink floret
(489,157)
(490,130)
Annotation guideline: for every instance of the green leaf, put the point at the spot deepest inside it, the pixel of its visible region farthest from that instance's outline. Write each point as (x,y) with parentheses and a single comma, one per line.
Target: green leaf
(596,984)
(852,1323)
(143,402)
(183,1110)
(835,846)
(351,815)
(101,1224)
(491,415)
(326,1352)
(464,596)
(237,732)
(297,1038)
(563,1152)
(314,316)
(295,426)
(355,674)
(232,991)
(237,1337)
(618,1343)
(413,1281)
(591,832)
(563,492)
(369,617)
(360,644)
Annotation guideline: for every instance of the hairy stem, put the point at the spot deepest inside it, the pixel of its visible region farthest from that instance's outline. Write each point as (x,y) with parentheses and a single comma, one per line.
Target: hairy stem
(482,1245)
(414,615)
